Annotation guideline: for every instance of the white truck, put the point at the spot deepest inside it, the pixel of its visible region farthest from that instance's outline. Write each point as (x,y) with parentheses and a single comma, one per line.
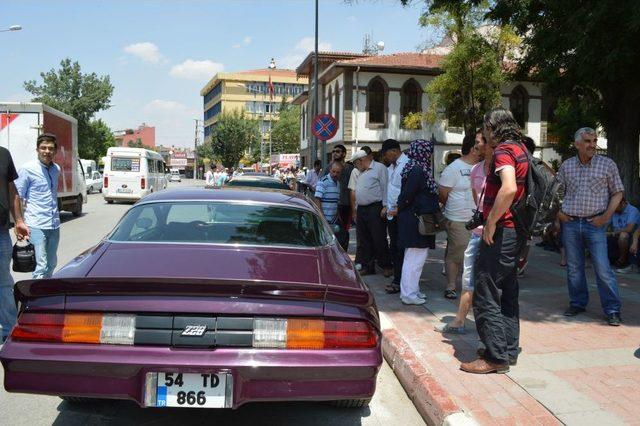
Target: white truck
(20,126)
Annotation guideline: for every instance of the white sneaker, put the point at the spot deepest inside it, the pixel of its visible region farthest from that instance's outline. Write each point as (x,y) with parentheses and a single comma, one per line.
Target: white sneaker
(421,295)
(413,301)
(625,270)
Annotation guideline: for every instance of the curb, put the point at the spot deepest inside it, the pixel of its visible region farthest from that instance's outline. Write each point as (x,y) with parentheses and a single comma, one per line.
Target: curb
(432,401)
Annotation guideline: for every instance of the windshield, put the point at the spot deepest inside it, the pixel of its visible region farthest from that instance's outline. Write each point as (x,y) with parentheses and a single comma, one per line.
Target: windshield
(123,164)
(221,223)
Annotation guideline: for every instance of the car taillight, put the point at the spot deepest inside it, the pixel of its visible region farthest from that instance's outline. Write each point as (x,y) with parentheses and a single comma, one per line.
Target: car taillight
(114,329)
(312,334)
(142,183)
(106,182)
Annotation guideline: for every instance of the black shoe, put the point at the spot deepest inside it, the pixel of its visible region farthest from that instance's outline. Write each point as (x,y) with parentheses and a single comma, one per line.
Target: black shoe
(614,320)
(573,311)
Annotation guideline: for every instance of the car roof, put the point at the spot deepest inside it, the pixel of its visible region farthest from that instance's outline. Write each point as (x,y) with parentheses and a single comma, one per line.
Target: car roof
(260,195)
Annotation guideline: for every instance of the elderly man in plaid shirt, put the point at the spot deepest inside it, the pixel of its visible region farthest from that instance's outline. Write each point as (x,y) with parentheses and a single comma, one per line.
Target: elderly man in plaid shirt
(593,190)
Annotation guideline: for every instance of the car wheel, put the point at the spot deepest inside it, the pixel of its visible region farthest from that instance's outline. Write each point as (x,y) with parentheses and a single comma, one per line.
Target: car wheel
(90,190)
(78,399)
(109,201)
(78,210)
(351,403)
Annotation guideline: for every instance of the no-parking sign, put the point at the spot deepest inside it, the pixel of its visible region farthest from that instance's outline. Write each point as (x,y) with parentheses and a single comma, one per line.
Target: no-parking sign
(324,126)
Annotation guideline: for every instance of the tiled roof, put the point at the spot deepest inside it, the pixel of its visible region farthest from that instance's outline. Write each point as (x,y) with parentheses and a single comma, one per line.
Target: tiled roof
(266,71)
(398,60)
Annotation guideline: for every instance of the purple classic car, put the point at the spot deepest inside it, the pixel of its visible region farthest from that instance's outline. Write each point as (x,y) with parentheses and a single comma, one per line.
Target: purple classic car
(202,298)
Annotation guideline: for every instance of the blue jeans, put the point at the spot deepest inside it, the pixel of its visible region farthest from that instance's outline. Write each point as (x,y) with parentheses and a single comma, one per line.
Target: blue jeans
(45,242)
(7,303)
(577,236)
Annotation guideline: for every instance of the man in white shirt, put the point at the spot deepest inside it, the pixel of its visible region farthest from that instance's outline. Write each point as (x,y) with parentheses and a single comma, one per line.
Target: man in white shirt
(312,176)
(396,160)
(208,177)
(455,194)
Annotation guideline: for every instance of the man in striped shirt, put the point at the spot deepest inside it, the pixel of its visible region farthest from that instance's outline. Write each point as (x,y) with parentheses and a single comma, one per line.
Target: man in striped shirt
(328,192)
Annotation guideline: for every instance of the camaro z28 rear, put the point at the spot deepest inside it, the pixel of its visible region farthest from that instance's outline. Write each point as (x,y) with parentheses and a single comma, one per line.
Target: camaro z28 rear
(202,306)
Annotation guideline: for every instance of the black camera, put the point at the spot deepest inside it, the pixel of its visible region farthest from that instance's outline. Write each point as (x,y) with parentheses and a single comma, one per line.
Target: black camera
(476,220)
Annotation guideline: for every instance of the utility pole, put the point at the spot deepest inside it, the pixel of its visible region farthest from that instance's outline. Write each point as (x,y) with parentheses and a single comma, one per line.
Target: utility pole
(195,150)
(316,100)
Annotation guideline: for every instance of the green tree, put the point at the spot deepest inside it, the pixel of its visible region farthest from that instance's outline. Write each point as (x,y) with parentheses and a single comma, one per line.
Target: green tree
(472,71)
(233,134)
(469,84)
(285,135)
(77,94)
(97,139)
(587,45)
(136,144)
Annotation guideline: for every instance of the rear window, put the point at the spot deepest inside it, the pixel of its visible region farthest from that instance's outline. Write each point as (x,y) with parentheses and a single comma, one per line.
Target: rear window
(221,223)
(123,164)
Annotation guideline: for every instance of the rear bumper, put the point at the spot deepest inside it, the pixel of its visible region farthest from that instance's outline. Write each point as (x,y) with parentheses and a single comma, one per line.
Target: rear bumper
(111,195)
(119,372)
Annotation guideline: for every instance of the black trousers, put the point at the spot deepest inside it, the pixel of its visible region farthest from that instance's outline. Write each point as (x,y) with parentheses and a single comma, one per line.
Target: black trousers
(344,218)
(495,296)
(371,231)
(397,254)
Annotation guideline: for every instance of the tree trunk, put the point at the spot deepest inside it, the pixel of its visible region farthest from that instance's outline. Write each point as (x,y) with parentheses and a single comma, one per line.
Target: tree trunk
(622,125)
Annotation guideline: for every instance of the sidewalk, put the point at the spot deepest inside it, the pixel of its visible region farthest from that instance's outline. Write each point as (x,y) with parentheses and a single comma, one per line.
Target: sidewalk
(576,371)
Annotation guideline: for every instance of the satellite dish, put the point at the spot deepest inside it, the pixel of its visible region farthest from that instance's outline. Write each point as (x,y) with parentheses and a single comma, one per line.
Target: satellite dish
(380,46)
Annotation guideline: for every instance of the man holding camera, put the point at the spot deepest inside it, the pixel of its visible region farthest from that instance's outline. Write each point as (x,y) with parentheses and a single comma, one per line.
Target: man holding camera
(9,204)
(495,297)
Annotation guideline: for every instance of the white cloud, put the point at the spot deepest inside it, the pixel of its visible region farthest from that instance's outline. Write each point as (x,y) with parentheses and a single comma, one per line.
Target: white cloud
(167,106)
(247,40)
(146,51)
(300,51)
(196,70)
(352,19)
(237,46)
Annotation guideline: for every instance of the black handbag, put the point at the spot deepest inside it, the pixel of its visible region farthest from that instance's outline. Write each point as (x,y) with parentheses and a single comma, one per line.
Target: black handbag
(24,257)
(431,223)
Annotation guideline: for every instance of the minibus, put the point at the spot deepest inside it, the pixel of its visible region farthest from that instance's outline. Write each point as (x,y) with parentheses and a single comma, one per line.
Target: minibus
(132,173)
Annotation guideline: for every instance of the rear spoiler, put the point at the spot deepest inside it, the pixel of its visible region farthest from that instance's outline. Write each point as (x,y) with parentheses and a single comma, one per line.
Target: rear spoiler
(28,289)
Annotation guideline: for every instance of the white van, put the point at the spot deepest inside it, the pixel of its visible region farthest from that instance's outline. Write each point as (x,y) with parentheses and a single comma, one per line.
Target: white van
(132,173)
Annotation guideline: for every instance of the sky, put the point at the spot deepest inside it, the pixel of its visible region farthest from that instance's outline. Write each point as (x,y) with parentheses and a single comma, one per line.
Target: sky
(159,54)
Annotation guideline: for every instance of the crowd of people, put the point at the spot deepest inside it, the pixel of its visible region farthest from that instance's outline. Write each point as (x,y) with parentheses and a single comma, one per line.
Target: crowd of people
(384,194)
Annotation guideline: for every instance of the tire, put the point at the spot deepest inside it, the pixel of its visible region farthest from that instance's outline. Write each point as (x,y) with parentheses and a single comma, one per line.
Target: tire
(90,190)
(109,201)
(351,403)
(78,400)
(78,210)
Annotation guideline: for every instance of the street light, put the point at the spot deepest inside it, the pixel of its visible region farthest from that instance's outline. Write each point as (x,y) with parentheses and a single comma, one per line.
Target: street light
(12,28)
(272,66)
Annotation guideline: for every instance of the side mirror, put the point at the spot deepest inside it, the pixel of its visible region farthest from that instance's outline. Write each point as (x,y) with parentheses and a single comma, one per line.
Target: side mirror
(144,223)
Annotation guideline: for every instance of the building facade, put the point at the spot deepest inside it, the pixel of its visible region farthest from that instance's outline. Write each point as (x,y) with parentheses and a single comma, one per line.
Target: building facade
(370,95)
(143,136)
(249,91)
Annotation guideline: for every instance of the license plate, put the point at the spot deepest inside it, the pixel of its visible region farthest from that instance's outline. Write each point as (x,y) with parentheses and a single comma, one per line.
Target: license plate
(124,190)
(194,390)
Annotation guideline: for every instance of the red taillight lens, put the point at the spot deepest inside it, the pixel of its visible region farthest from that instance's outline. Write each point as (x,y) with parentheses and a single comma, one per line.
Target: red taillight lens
(106,182)
(39,327)
(142,183)
(349,334)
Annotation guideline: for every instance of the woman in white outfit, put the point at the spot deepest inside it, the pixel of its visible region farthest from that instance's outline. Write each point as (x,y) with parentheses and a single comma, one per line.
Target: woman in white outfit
(418,195)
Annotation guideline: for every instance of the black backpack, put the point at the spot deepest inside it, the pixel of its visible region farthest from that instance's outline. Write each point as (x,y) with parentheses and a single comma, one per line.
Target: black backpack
(541,202)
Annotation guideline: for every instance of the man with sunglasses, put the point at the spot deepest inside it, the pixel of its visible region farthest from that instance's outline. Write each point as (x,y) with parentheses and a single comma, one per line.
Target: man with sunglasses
(339,155)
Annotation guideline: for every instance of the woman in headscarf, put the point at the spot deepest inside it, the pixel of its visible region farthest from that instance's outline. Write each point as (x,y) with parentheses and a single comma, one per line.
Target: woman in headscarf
(418,195)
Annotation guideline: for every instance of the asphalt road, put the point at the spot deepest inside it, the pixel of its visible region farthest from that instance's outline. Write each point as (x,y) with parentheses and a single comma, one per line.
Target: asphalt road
(390,405)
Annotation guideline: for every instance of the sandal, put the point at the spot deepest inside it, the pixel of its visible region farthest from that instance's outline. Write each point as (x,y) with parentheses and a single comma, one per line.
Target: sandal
(392,288)
(450,294)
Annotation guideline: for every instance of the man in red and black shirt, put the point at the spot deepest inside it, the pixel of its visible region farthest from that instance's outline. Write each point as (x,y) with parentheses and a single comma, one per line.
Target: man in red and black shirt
(495,297)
